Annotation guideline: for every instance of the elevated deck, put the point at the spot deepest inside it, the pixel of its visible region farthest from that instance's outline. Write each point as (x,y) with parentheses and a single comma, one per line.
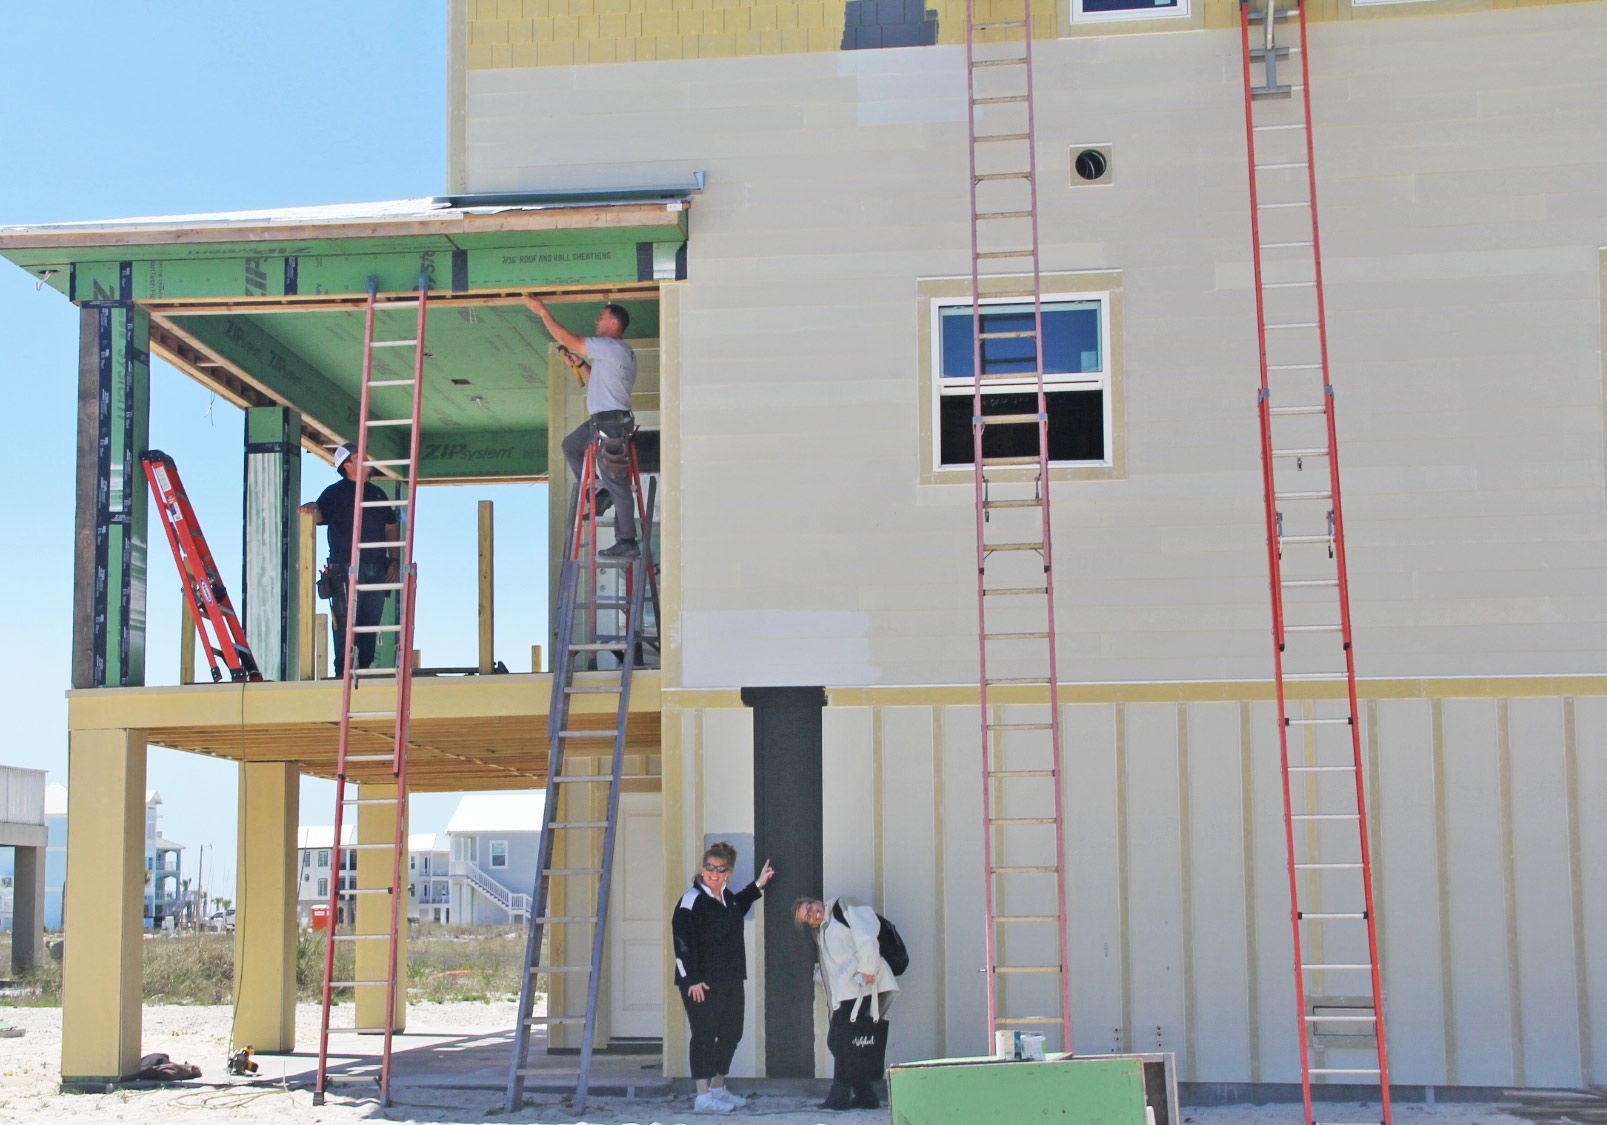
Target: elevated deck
(469,732)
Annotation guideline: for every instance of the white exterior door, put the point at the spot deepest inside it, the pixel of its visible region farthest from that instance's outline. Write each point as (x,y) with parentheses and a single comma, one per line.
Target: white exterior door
(636,921)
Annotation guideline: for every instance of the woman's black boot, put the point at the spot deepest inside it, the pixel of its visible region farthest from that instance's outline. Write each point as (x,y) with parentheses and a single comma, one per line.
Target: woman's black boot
(838,1097)
(865,1097)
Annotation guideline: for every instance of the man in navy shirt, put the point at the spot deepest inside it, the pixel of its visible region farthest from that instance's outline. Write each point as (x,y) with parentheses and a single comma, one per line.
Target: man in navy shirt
(334,508)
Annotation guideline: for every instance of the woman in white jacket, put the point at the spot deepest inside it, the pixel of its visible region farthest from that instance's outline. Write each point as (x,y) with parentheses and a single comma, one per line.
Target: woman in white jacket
(860,987)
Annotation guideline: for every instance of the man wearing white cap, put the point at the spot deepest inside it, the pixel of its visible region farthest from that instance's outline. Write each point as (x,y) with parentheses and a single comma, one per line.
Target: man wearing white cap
(334,508)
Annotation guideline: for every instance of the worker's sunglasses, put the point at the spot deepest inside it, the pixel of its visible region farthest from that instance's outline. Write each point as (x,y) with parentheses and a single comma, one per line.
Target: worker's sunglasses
(715,868)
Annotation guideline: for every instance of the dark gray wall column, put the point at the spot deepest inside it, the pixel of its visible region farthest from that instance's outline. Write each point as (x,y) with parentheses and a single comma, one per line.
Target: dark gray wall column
(787,818)
(28,909)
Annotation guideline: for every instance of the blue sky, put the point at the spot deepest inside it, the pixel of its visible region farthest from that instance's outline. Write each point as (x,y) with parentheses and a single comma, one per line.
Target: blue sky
(114,110)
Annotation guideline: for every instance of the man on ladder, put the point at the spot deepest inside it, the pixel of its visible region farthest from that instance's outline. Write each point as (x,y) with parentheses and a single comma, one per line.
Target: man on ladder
(608,400)
(334,510)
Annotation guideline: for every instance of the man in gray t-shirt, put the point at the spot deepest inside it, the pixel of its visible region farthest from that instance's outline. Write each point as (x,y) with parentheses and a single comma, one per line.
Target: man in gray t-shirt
(608,399)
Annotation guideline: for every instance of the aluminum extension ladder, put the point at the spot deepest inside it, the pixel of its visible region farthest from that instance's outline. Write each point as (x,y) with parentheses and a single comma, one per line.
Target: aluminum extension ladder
(387,692)
(1337,981)
(1028,981)
(569,813)
(203,586)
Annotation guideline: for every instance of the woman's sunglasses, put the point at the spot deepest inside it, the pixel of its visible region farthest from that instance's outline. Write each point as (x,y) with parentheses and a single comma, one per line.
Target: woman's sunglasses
(715,868)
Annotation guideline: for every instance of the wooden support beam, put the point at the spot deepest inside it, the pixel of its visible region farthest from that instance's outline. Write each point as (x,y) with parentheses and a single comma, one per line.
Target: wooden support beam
(186,642)
(310,622)
(487,590)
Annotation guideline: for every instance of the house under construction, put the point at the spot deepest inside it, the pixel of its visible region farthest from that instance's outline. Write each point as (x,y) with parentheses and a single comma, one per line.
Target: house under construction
(832,331)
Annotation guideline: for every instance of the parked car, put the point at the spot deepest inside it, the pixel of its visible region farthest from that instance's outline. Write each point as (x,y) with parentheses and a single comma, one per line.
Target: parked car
(222,921)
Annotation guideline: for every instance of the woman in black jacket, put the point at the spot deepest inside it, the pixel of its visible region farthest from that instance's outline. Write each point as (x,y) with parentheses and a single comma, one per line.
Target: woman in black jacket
(710,967)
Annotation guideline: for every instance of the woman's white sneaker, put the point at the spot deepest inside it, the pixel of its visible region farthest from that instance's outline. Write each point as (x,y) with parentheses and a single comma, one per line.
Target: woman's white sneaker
(735,1101)
(709,1103)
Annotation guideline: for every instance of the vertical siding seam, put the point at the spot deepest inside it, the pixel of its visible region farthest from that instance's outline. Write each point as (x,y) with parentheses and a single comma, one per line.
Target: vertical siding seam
(1252,958)
(1576,886)
(1509,876)
(1122,898)
(878,823)
(1185,858)
(940,954)
(1443,879)
(1375,828)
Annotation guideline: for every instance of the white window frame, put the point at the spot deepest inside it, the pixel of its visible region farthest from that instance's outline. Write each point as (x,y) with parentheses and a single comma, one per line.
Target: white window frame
(323,888)
(323,857)
(1180,11)
(491,854)
(1079,381)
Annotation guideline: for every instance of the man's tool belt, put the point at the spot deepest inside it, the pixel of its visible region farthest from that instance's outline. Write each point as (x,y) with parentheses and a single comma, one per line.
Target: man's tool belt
(614,429)
(331,580)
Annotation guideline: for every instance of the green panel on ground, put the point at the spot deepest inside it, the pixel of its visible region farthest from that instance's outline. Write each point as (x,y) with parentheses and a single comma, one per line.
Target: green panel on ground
(1089,1091)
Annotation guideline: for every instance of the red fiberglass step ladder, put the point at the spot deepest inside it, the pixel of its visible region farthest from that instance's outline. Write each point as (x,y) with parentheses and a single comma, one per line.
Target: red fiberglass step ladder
(209,601)
(1029,987)
(387,696)
(1337,983)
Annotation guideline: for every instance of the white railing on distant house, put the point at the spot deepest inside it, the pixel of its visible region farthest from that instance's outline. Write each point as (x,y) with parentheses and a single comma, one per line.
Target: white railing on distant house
(516,905)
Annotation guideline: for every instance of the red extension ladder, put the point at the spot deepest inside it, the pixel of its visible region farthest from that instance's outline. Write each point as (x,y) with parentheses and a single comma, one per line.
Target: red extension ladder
(1337,982)
(1028,983)
(387,695)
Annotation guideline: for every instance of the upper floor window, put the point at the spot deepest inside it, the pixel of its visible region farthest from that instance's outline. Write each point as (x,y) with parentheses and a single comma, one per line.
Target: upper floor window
(323,859)
(498,850)
(1076,372)
(1093,11)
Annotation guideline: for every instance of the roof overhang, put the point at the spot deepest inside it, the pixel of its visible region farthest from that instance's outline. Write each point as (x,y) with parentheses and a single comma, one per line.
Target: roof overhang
(266,308)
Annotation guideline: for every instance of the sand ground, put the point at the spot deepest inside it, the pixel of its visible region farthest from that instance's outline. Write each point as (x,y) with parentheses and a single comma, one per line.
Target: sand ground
(29,1093)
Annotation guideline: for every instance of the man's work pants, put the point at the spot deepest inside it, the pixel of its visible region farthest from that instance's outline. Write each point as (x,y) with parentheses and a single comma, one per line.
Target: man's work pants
(614,426)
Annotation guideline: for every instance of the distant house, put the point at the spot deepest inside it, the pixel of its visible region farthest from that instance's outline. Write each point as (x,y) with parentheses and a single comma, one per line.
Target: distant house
(55,854)
(429,882)
(315,846)
(494,839)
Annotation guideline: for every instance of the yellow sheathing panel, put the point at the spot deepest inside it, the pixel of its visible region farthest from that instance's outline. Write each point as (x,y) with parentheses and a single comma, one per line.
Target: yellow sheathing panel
(499,34)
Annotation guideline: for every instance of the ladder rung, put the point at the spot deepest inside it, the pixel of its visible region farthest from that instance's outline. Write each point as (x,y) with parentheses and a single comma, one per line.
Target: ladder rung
(573,871)
(1021,820)
(1024,869)
(1015,636)
(1021,773)
(1288,285)
(1003,99)
(1323,816)
(1012,503)
(1294,324)
(390,422)
(1026,1019)
(985,138)
(362,937)
(566,919)
(362,586)
(1323,494)
(1280,127)
(1026,968)
(363,890)
(545,1021)
(370,715)
(550,969)
(579,824)
(1284,203)
(397,628)
(1312,629)
(592,690)
(390,461)
(1299,409)
(373,672)
(1340,1019)
(354,1077)
(1007,215)
(1012,546)
(1285,246)
(390,382)
(611,734)
(567,779)
(368,801)
(1007,919)
(407,304)
(1014,420)
(1340,967)
(368,847)
(1281,164)
(599,646)
(400,503)
(1327,867)
(989,177)
(1296,540)
(395,343)
(998,25)
(1343,1070)
(378,544)
(1314,677)
(985,254)
(1021,680)
(355,983)
(1321,769)
(1294,367)
(1014,591)
(1022,726)
(1343,916)
(1018,61)
(1307,451)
